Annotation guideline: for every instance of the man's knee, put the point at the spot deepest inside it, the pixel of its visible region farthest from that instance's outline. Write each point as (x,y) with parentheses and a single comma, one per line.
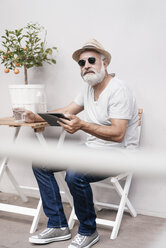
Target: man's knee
(39,171)
(70,177)
(75,179)
(36,169)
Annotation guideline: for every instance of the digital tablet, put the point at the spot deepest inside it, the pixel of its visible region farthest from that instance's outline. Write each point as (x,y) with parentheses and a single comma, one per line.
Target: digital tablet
(51,118)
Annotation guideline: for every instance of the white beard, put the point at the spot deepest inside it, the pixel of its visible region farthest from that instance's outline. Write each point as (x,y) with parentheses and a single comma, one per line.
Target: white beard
(94,78)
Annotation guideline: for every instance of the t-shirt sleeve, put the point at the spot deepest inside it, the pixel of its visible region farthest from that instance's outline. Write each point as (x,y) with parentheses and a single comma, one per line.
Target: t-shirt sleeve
(79,99)
(121,104)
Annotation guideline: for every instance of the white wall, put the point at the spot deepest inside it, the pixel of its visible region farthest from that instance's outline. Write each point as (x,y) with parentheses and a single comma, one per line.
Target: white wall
(134,32)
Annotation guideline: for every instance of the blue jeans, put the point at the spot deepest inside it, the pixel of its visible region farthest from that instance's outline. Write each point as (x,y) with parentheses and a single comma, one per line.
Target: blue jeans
(79,185)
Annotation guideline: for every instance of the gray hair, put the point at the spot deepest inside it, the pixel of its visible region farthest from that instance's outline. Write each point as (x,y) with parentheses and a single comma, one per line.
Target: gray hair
(102,56)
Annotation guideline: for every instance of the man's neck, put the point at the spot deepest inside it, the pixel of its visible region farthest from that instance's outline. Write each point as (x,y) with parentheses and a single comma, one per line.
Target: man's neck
(98,88)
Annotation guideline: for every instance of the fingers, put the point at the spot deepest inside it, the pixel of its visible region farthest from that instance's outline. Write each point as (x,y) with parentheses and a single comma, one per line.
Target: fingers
(29,116)
(67,128)
(70,116)
(64,121)
(72,125)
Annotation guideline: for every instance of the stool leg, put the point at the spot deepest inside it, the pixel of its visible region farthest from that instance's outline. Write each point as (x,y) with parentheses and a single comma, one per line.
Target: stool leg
(37,217)
(3,167)
(120,191)
(61,138)
(16,185)
(5,160)
(121,208)
(71,219)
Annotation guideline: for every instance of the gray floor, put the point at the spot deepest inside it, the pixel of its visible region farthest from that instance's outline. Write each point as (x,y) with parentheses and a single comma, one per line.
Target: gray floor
(139,232)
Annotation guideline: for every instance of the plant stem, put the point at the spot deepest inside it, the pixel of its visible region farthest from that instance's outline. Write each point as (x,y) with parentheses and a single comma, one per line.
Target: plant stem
(25,74)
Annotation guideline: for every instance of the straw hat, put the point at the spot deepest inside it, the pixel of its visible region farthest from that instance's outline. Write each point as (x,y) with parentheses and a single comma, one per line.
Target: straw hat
(92,45)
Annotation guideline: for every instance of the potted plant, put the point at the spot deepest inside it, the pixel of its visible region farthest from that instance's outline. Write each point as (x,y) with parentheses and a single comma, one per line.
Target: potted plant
(25,48)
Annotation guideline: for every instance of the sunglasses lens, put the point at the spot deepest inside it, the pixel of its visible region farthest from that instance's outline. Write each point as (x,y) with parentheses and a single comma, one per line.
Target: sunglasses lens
(81,62)
(91,60)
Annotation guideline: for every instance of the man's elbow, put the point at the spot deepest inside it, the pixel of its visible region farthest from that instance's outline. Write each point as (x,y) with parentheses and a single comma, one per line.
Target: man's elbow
(119,138)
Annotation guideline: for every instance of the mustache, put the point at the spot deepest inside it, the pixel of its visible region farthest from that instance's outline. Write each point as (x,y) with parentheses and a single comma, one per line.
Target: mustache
(87,71)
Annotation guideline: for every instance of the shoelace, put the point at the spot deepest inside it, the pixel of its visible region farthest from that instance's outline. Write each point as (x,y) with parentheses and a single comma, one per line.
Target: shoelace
(78,239)
(47,230)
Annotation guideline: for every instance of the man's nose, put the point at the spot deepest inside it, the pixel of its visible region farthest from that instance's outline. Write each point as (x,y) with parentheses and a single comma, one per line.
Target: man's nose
(87,64)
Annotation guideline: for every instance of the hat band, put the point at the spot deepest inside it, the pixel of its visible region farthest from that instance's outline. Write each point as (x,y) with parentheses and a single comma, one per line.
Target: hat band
(91,47)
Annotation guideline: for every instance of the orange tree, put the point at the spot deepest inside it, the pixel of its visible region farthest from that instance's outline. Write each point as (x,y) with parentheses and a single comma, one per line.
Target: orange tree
(25,48)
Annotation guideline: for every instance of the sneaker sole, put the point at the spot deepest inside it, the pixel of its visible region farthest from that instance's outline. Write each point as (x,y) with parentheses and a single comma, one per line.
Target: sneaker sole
(93,242)
(46,241)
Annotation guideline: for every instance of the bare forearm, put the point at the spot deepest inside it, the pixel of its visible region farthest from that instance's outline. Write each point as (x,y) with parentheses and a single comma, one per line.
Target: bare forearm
(72,108)
(115,132)
(109,133)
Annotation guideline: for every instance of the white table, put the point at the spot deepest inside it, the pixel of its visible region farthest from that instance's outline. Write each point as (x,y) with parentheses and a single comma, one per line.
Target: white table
(38,128)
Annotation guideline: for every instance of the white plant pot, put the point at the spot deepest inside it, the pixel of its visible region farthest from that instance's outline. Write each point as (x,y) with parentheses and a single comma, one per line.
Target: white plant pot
(30,97)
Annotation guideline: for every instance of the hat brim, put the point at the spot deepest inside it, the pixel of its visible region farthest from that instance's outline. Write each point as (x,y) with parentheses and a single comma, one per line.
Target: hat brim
(77,53)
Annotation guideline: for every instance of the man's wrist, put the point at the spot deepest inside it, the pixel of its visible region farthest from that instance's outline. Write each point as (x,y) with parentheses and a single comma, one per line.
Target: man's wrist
(83,125)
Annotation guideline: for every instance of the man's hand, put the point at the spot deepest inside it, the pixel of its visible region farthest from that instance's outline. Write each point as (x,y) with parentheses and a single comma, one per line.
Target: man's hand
(73,125)
(29,116)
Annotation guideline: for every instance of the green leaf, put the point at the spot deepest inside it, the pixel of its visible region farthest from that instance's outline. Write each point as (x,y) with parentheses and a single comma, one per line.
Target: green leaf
(55,48)
(20,31)
(49,51)
(7,32)
(37,48)
(16,31)
(53,61)
(19,39)
(11,32)
(4,37)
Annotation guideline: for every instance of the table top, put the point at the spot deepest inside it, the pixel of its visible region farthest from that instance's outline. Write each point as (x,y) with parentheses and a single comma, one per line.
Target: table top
(9,121)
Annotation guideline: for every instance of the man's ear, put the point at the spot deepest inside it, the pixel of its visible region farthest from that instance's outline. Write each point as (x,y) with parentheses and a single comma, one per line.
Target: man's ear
(105,62)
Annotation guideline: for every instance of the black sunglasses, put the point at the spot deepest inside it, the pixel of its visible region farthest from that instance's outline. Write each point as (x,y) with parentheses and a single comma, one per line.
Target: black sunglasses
(91,61)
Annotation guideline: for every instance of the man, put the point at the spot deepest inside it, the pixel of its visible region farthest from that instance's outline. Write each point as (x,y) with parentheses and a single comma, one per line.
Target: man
(111,120)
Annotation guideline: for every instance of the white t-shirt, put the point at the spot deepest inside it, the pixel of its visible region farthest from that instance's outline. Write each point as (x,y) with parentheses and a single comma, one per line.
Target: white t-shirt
(115,102)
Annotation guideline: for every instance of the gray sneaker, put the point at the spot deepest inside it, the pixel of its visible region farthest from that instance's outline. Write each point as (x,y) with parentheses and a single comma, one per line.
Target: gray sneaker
(81,241)
(50,235)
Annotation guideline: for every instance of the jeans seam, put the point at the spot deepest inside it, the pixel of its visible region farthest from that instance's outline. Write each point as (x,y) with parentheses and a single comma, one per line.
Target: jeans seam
(86,234)
(53,226)
(84,192)
(55,200)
